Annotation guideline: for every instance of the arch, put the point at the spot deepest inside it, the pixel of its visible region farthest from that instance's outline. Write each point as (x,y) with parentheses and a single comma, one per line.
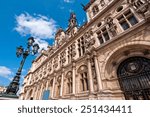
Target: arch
(134,77)
(58,86)
(51,83)
(120,53)
(69,83)
(83,72)
(69,74)
(82,69)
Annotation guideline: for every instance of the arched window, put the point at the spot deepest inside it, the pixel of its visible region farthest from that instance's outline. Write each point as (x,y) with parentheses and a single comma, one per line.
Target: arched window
(50,86)
(69,83)
(51,83)
(83,78)
(81,46)
(58,86)
(84,81)
(95,10)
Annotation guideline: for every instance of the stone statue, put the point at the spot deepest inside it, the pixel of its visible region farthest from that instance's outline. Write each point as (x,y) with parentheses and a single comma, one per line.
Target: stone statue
(89,41)
(72,20)
(102,2)
(111,26)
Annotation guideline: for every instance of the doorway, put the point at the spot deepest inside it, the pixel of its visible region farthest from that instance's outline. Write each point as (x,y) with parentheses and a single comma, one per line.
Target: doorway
(134,78)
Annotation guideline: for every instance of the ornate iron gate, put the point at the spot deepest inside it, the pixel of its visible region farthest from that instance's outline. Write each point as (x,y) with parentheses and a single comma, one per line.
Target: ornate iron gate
(134,78)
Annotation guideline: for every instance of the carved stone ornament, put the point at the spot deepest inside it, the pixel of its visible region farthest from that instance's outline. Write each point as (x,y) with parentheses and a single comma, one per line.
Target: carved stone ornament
(89,41)
(73,52)
(82,69)
(59,80)
(140,6)
(102,2)
(56,62)
(50,49)
(63,56)
(69,74)
(111,26)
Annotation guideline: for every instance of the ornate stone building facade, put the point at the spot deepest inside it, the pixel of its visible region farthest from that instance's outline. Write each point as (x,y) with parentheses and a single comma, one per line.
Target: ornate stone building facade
(106,58)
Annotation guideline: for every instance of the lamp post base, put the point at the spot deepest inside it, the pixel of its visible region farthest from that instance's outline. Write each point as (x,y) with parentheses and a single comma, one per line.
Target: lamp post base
(4,96)
(13,87)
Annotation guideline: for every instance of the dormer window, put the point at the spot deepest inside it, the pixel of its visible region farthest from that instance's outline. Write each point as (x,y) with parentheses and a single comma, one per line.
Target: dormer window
(95,10)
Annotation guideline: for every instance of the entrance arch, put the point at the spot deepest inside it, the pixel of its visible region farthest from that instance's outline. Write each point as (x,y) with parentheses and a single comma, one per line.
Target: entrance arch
(134,78)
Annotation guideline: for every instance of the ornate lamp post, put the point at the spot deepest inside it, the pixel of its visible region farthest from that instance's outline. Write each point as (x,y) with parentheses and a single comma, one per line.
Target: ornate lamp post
(31,49)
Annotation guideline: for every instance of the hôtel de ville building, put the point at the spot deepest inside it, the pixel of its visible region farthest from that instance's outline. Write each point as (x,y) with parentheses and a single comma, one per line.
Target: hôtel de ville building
(107,58)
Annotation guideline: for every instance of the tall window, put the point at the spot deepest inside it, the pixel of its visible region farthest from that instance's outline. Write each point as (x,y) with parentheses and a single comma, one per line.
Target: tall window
(84,81)
(81,46)
(83,78)
(103,35)
(70,49)
(95,10)
(62,58)
(69,85)
(69,82)
(127,20)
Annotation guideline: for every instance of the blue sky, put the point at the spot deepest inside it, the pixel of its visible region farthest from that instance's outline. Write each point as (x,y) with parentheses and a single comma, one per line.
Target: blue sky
(20,19)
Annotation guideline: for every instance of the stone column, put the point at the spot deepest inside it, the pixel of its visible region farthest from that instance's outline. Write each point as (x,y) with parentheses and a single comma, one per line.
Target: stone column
(36,92)
(90,78)
(53,87)
(73,78)
(62,83)
(33,92)
(47,84)
(26,96)
(99,81)
(27,93)
(41,92)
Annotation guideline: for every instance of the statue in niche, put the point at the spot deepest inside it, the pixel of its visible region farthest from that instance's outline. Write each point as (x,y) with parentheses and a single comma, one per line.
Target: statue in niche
(102,3)
(72,20)
(111,26)
(89,41)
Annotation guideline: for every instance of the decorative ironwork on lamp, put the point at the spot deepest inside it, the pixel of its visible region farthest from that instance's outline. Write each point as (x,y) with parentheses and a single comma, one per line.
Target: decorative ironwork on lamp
(31,48)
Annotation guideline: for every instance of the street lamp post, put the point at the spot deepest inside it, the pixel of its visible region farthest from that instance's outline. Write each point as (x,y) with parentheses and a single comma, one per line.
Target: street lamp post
(31,48)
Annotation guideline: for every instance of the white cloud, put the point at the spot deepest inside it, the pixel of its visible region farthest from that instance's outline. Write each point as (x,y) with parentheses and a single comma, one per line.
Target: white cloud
(5,72)
(69,1)
(38,26)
